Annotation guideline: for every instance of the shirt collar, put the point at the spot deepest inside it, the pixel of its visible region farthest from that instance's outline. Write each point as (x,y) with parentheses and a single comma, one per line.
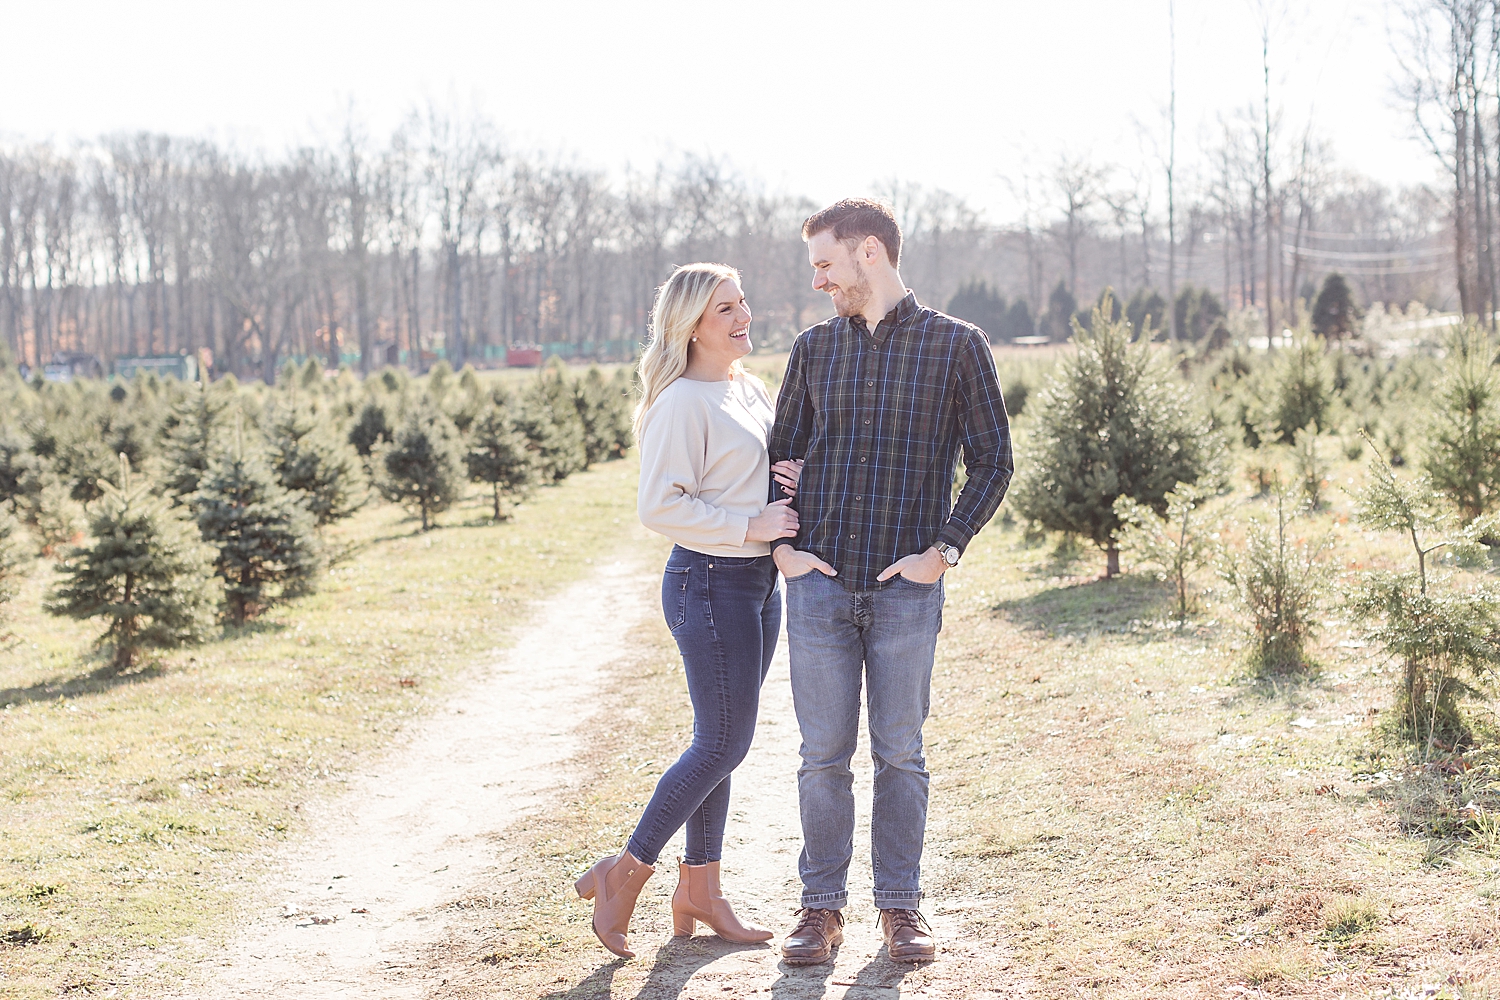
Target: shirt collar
(899,315)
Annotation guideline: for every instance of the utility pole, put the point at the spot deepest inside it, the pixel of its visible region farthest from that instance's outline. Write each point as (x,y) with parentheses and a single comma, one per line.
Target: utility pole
(1171,167)
(1265,62)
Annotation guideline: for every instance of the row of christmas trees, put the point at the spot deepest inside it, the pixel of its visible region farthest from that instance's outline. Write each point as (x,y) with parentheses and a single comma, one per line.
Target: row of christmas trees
(172,506)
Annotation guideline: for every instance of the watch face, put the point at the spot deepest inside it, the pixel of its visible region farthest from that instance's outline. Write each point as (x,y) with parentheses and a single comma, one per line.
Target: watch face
(950,556)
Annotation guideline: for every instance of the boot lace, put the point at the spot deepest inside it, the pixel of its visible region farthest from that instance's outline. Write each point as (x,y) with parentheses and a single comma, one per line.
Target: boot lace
(812,917)
(906,920)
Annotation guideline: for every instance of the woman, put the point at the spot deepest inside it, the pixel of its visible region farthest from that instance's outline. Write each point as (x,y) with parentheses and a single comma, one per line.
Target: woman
(702,427)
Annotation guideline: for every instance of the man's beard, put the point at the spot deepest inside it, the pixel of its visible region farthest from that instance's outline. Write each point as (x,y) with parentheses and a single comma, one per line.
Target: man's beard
(856,296)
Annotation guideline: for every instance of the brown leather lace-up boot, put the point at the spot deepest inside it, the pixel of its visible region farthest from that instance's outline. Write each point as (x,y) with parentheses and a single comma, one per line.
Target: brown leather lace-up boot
(907,936)
(813,939)
(698,897)
(614,884)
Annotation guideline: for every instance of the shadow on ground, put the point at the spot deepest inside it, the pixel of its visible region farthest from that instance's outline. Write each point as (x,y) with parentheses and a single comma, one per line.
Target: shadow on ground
(880,977)
(103,678)
(1093,606)
(675,963)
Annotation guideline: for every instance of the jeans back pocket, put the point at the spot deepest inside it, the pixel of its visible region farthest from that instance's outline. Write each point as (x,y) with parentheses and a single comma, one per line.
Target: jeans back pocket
(674,585)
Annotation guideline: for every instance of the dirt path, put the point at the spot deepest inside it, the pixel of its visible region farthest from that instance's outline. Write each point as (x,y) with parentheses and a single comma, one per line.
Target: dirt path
(363,908)
(361,893)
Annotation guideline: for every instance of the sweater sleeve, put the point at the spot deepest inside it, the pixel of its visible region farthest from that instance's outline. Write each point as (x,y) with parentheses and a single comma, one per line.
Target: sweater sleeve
(674,450)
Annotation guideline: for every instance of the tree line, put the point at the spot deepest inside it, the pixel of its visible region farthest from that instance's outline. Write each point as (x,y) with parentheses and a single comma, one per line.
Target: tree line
(442,240)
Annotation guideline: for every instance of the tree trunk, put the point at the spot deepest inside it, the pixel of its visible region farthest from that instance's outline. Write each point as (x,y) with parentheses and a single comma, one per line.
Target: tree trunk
(1111,562)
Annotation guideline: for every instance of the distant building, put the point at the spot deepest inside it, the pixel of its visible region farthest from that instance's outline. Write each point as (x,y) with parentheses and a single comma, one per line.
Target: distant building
(65,366)
(183,367)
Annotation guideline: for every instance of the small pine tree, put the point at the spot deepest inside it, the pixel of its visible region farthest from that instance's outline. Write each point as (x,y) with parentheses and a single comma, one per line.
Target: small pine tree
(549,419)
(56,517)
(1147,312)
(15,557)
(622,409)
(1311,466)
(1018,321)
(1113,421)
(370,429)
(143,569)
(422,468)
(498,454)
(1463,442)
(310,461)
(1302,390)
(1173,544)
(469,402)
(1445,639)
(440,382)
(1333,314)
(190,431)
(1279,580)
(1061,305)
(263,535)
(604,410)
(20,470)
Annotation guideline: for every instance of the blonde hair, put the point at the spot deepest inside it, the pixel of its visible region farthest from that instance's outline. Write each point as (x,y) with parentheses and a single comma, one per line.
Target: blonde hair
(681,302)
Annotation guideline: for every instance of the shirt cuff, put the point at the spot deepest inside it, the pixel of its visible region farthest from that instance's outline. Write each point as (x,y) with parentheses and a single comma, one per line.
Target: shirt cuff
(740,525)
(956,534)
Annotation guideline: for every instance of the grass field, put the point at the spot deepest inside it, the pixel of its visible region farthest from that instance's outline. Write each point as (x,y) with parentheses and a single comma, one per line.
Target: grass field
(1135,811)
(132,803)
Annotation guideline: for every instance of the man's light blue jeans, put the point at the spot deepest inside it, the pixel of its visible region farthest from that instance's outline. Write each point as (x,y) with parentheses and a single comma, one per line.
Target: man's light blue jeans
(837,640)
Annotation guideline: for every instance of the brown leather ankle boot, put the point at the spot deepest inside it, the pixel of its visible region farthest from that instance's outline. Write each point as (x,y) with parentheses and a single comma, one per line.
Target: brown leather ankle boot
(698,898)
(614,884)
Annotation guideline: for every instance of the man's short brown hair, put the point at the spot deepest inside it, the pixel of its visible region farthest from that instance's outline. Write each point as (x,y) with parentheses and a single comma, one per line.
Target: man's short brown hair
(852,220)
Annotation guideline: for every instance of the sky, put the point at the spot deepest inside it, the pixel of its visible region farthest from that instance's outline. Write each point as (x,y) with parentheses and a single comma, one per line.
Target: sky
(825,98)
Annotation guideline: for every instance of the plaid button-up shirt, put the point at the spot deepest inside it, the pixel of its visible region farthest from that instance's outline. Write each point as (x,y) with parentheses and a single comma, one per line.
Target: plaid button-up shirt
(879,418)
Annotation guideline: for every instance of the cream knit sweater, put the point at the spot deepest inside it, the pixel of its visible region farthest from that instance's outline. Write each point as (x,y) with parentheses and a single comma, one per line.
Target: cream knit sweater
(704,468)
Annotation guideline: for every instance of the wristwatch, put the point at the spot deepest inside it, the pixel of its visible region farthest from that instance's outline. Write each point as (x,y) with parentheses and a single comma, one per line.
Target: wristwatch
(949,553)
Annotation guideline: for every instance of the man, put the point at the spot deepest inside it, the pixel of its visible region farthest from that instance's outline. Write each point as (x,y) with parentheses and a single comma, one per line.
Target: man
(878,401)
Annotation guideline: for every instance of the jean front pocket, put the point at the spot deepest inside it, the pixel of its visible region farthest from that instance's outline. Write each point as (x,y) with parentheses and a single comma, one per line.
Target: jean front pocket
(674,586)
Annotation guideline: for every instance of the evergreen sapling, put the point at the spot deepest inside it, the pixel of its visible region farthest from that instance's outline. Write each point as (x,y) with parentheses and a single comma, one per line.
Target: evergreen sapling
(1463,450)
(15,557)
(1173,544)
(263,535)
(1279,580)
(498,454)
(143,569)
(1447,639)
(310,461)
(1113,422)
(422,469)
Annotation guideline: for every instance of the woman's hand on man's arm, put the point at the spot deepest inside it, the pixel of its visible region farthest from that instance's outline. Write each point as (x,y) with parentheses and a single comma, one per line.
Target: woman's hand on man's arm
(788,472)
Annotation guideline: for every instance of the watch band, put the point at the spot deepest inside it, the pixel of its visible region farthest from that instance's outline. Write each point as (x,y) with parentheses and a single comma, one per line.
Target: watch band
(949,553)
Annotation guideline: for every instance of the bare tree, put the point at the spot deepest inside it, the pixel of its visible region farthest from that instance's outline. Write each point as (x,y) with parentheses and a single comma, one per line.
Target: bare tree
(1078,183)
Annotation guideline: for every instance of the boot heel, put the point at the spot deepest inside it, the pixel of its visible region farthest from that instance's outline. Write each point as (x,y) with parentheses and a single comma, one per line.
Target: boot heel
(683,924)
(585,885)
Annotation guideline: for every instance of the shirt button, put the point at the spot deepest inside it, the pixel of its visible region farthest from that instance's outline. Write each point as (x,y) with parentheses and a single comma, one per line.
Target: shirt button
(853,537)
(867,421)
(861,459)
(871,382)
(859,498)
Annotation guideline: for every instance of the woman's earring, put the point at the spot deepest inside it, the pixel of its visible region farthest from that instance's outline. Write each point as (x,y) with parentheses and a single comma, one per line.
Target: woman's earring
(695,340)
